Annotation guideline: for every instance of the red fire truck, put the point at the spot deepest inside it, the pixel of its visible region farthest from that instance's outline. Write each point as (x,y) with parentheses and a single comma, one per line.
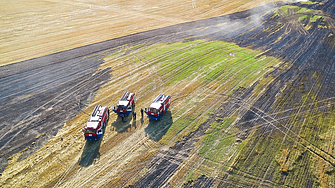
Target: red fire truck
(96,122)
(158,107)
(125,105)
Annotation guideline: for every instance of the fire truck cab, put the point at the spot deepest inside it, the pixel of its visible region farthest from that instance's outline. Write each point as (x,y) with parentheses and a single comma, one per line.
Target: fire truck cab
(95,124)
(158,107)
(125,105)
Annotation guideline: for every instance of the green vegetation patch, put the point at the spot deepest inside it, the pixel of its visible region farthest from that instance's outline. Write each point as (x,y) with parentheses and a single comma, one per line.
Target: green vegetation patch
(289,10)
(304,10)
(303,17)
(285,9)
(215,64)
(211,65)
(315,18)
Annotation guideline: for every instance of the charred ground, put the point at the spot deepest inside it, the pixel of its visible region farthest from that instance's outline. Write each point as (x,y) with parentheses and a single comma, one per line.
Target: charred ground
(277,127)
(262,117)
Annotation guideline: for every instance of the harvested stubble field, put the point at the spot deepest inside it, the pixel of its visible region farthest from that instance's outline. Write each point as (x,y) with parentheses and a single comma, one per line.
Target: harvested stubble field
(252,106)
(32,28)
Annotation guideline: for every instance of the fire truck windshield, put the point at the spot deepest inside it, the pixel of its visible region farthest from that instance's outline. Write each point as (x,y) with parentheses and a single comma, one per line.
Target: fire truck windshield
(121,107)
(153,110)
(90,131)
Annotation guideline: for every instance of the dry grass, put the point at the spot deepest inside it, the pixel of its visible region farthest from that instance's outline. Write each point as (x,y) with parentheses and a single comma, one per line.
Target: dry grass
(33,28)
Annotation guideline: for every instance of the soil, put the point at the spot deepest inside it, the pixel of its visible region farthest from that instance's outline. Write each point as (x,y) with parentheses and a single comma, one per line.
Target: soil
(282,131)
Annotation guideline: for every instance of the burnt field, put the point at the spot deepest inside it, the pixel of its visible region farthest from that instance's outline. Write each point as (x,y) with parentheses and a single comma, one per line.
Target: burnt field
(252,106)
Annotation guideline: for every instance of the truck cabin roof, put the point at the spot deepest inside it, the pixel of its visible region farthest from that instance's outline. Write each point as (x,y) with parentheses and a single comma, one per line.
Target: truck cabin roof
(123,103)
(158,101)
(155,105)
(92,125)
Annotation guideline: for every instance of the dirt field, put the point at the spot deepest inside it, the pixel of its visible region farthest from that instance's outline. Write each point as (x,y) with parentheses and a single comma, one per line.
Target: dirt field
(33,28)
(252,106)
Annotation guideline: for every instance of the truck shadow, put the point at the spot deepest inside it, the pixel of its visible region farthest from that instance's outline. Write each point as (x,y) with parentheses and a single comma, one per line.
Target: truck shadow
(90,151)
(157,129)
(120,126)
